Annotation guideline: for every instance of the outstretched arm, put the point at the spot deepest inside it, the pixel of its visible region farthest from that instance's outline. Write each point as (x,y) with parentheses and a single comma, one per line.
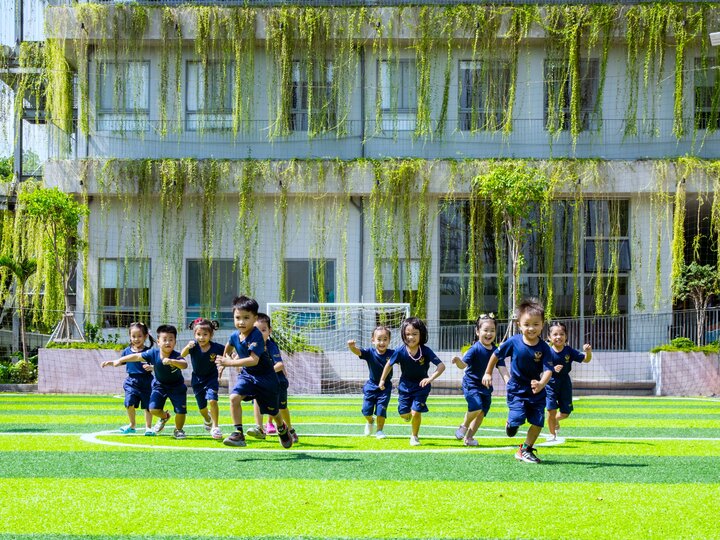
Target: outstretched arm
(438,371)
(458,362)
(180,363)
(187,348)
(587,349)
(249,361)
(504,373)
(134,357)
(353,347)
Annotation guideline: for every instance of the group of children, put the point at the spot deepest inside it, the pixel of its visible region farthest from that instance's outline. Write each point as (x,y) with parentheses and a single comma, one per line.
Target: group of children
(538,377)
(155,375)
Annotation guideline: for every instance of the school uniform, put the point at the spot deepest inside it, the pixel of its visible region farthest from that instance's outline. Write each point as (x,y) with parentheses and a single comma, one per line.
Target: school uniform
(257,382)
(376,401)
(411,396)
(559,389)
(478,396)
(205,376)
(138,384)
(528,362)
(169,382)
(283,382)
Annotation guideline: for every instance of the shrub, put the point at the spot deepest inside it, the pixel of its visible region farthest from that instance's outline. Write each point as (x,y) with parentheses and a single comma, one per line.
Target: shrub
(84,345)
(682,344)
(24,372)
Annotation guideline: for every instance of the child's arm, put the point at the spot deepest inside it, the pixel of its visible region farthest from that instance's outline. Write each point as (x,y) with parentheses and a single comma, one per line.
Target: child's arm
(504,373)
(187,348)
(587,349)
(385,373)
(134,357)
(353,347)
(487,378)
(458,362)
(279,367)
(227,361)
(438,371)
(537,386)
(175,362)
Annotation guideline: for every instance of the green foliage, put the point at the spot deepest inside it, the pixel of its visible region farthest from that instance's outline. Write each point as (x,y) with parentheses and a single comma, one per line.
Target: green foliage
(697,282)
(21,372)
(112,345)
(6,169)
(683,344)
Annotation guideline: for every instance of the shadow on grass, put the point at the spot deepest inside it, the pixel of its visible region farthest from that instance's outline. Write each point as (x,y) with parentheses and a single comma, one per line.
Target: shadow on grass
(297,456)
(26,430)
(595,465)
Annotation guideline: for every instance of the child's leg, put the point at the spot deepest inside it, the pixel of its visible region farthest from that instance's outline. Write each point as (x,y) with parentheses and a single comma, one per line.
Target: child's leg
(179,420)
(532,434)
(148,419)
(205,414)
(473,419)
(214,412)
(552,421)
(285,414)
(256,413)
(380,423)
(160,413)
(131,416)
(416,421)
(467,420)
(236,409)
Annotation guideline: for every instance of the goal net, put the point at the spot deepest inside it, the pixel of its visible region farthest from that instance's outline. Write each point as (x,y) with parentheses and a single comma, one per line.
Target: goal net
(313,340)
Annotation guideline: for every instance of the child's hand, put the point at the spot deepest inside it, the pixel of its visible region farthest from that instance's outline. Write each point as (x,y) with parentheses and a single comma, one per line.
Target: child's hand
(587,348)
(147,367)
(558,368)
(167,361)
(351,343)
(220,361)
(536,386)
(456,360)
(108,363)
(425,382)
(487,380)
(381,386)
(191,344)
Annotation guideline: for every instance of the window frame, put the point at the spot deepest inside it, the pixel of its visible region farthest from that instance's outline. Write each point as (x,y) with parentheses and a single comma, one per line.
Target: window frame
(125,314)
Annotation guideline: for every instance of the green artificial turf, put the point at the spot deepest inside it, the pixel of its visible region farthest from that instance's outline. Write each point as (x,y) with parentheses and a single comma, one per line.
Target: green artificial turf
(629,468)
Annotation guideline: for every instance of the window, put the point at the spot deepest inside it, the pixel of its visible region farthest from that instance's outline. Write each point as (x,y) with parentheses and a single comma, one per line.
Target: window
(399,288)
(211,289)
(707,95)
(124,96)
(398,94)
(124,291)
(302,280)
(323,105)
(209,96)
(558,85)
(484,90)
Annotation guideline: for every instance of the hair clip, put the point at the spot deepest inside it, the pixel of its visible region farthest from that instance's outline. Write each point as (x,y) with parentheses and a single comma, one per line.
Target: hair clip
(490,315)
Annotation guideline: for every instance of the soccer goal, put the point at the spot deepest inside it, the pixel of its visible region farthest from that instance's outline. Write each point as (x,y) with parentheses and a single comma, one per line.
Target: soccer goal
(313,340)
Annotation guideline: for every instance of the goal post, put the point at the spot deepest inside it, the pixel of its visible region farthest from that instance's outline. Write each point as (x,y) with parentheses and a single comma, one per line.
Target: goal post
(313,339)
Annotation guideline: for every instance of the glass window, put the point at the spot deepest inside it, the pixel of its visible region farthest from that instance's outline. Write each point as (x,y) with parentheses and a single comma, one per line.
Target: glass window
(124,96)
(399,288)
(558,85)
(398,85)
(323,105)
(124,291)
(707,95)
(302,283)
(211,289)
(484,91)
(209,95)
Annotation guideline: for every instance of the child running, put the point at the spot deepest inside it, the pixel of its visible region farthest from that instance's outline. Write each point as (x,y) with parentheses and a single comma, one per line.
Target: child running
(169,381)
(138,384)
(205,383)
(559,389)
(529,374)
(257,380)
(474,363)
(375,400)
(263,324)
(415,384)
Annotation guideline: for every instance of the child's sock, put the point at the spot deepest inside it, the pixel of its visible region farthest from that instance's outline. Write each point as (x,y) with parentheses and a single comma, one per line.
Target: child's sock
(239,428)
(281,429)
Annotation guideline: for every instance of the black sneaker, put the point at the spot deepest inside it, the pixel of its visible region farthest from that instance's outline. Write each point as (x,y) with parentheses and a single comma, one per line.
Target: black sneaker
(511,431)
(236,438)
(285,437)
(527,454)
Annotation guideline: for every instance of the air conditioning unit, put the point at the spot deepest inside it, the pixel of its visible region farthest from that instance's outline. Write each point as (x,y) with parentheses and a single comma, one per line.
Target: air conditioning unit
(715,39)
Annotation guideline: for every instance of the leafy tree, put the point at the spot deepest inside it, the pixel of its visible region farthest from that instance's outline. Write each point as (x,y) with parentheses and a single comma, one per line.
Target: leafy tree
(514,189)
(6,169)
(699,283)
(22,269)
(58,214)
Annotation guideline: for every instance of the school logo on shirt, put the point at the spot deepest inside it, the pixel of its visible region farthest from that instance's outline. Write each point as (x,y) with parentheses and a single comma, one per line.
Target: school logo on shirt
(253,345)
(538,356)
(567,358)
(421,361)
(212,356)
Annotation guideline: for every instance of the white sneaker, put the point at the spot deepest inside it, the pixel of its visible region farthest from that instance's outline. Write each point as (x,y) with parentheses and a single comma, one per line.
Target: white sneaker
(369,427)
(414,440)
(469,441)
(380,434)
(551,437)
(160,424)
(460,432)
(216,433)
(207,424)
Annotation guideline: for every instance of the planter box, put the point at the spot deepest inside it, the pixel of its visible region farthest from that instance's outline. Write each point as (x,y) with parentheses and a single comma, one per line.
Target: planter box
(10,387)
(686,374)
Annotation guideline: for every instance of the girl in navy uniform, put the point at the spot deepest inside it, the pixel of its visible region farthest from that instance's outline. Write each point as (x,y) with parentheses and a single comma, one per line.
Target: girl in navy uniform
(205,383)
(375,400)
(415,384)
(559,389)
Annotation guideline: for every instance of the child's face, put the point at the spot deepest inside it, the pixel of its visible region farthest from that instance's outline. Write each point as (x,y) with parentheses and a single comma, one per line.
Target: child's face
(166,341)
(202,335)
(486,333)
(531,326)
(244,320)
(557,336)
(137,338)
(264,329)
(381,341)
(412,336)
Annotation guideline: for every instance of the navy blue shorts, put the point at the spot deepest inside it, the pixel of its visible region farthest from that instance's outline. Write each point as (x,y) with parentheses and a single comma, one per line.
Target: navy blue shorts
(412,397)
(524,405)
(376,401)
(177,395)
(559,395)
(137,391)
(205,389)
(478,399)
(264,390)
(282,393)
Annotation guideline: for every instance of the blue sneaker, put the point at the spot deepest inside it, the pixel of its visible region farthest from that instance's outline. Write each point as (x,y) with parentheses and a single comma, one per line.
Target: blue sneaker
(125,430)
(149,432)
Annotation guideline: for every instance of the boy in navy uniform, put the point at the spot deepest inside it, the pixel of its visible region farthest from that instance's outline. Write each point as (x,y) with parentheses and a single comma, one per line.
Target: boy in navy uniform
(169,381)
(529,374)
(257,380)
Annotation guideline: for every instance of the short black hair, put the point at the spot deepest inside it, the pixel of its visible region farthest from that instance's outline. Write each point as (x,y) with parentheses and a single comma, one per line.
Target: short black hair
(559,325)
(531,306)
(166,329)
(415,323)
(264,318)
(246,304)
(382,328)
